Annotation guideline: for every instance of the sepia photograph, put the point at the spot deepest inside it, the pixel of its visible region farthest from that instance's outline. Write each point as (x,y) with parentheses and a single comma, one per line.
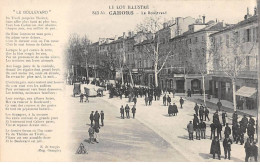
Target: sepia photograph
(130,81)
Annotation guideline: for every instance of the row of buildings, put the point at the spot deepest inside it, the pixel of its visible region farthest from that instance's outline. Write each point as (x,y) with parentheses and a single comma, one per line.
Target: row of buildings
(195,53)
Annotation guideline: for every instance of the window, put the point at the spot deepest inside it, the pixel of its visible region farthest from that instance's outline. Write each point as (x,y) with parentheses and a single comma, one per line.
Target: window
(227,40)
(202,38)
(196,39)
(247,61)
(203,51)
(247,35)
(190,40)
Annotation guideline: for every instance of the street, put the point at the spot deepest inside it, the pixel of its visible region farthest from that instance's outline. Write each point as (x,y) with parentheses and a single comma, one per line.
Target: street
(151,136)
(119,140)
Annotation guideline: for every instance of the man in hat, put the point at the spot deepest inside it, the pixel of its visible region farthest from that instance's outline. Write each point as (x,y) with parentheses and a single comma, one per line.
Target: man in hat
(181,101)
(201,112)
(164,100)
(122,112)
(219,104)
(206,113)
(190,130)
(224,115)
(102,117)
(91,117)
(196,109)
(133,111)
(127,109)
(227,146)
(96,119)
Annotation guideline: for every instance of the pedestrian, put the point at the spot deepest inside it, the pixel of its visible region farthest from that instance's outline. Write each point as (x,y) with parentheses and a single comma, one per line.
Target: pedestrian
(102,116)
(203,129)
(247,147)
(195,120)
(201,112)
(150,99)
(235,132)
(206,113)
(86,95)
(175,109)
(81,96)
(170,109)
(197,129)
(135,100)
(168,100)
(254,151)
(189,93)
(251,120)
(227,130)
(96,128)
(240,135)
(216,118)
(146,99)
(181,101)
(122,112)
(134,111)
(219,104)
(219,130)
(91,117)
(215,148)
(164,100)
(196,109)
(212,129)
(227,146)
(234,118)
(96,119)
(250,132)
(224,115)
(127,109)
(190,130)
(91,134)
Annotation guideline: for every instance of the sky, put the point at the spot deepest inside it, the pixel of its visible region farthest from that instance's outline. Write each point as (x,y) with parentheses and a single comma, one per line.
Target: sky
(83,22)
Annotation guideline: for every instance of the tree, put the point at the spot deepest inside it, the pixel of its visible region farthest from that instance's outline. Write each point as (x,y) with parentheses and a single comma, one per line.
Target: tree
(231,58)
(79,50)
(153,41)
(201,61)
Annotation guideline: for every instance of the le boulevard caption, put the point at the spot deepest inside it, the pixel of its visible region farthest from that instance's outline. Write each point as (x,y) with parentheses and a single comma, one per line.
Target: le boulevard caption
(128,10)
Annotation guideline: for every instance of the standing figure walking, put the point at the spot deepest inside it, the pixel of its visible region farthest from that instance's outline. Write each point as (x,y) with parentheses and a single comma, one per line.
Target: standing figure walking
(91,117)
(133,111)
(227,147)
(190,130)
(181,101)
(122,112)
(127,109)
(215,148)
(102,117)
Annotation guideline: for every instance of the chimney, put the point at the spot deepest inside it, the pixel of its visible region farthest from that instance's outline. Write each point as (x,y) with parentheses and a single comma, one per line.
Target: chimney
(247,11)
(203,17)
(216,20)
(255,11)
(164,25)
(123,34)
(129,34)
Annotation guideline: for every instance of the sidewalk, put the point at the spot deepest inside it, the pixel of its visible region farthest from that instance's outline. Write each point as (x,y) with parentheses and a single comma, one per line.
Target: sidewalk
(226,105)
(173,128)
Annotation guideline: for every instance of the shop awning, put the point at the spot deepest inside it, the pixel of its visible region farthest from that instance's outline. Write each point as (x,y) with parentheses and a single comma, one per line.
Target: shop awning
(246,91)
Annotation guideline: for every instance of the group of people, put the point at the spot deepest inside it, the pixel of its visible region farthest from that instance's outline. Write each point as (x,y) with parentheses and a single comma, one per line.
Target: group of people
(238,130)
(94,127)
(126,110)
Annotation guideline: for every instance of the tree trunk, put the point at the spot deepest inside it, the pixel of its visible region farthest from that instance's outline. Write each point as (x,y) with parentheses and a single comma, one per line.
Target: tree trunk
(131,77)
(122,75)
(155,75)
(234,95)
(203,88)
(87,69)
